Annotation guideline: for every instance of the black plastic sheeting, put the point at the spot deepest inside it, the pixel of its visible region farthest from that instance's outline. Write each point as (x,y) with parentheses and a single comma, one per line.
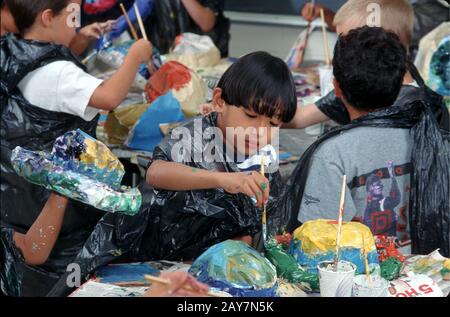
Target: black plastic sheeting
(429,207)
(33,128)
(334,109)
(176,225)
(170,19)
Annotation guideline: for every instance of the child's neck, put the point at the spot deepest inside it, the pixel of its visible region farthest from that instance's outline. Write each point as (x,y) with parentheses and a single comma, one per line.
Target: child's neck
(355,113)
(38,34)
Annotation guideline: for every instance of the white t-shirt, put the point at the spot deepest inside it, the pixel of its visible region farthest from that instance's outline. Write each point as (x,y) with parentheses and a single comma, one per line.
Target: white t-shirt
(61,87)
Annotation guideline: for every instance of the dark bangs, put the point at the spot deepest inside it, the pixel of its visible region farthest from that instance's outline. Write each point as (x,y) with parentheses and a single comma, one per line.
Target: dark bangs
(262,83)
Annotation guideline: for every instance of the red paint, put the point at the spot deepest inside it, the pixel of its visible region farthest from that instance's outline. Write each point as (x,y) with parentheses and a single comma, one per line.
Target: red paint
(386,249)
(172,75)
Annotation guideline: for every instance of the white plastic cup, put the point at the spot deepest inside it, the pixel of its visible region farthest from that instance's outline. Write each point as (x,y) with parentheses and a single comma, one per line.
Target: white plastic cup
(326,80)
(316,129)
(339,283)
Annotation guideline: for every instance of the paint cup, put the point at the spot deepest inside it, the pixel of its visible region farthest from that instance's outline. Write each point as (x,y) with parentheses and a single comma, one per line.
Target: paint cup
(337,283)
(326,79)
(316,129)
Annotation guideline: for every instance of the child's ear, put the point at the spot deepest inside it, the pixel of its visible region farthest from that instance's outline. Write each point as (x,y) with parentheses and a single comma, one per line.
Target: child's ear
(47,17)
(218,102)
(337,89)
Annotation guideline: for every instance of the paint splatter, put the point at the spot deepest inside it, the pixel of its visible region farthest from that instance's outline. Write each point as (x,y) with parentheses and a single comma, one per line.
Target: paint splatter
(34,247)
(194,170)
(263,186)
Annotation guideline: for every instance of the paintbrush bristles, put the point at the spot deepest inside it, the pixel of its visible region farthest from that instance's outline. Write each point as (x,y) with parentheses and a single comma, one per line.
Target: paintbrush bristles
(325,38)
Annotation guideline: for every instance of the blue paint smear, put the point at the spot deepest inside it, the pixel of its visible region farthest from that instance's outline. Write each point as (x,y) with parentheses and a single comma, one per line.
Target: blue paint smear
(353,255)
(125,273)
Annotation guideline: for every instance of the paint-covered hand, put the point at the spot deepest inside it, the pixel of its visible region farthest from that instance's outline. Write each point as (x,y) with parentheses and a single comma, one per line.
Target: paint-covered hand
(181,284)
(252,184)
(141,50)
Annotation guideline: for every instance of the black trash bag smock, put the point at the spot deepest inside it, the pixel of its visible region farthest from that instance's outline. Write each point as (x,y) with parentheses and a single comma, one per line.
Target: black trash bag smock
(334,109)
(33,128)
(10,257)
(176,225)
(429,207)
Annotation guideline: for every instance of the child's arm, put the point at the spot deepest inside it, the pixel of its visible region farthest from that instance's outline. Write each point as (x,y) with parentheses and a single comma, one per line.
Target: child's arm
(88,34)
(306,116)
(40,239)
(203,17)
(112,92)
(178,177)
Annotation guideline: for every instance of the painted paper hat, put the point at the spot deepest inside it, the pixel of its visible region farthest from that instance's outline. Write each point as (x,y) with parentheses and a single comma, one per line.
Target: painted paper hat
(234,267)
(315,241)
(81,168)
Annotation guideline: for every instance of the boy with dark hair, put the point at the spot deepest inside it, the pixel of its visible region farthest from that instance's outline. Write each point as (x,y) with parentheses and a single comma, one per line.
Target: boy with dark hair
(369,66)
(395,16)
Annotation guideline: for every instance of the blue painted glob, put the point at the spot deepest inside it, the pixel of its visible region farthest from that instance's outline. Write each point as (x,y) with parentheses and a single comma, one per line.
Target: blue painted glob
(236,268)
(146,133)
(81,168)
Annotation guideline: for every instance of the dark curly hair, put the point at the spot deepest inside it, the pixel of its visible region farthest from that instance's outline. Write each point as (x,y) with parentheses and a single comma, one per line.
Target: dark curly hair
(369,65)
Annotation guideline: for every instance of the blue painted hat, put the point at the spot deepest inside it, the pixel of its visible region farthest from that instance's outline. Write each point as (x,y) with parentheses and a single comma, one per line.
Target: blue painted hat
(81,168)
(234,267)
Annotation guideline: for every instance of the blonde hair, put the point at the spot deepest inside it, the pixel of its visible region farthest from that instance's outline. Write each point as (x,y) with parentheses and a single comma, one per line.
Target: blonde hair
(396,16)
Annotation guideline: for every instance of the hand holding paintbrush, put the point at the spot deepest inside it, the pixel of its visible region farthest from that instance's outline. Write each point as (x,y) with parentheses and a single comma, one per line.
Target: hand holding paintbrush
(178,284)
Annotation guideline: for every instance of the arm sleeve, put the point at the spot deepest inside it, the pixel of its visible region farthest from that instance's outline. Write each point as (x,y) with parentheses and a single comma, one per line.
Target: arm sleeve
(334,108)
(74,90)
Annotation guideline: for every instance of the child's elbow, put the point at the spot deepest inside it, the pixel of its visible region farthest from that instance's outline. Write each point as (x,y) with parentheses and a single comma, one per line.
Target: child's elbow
(152,176)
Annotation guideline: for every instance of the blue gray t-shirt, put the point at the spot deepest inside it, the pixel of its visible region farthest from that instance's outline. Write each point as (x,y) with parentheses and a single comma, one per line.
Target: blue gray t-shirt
(377,164)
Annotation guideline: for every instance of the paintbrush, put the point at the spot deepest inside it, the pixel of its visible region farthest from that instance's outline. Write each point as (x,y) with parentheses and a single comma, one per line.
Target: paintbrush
(339,229)
(133,30)
(141,24)
(366,262)
(325,38)
(264,216)
(305,42)
(154,279)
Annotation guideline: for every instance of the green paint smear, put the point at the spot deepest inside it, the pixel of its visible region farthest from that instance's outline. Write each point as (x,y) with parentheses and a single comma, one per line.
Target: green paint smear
(288,268)
(194,170)
(445,271)
(391,268)
(263,186)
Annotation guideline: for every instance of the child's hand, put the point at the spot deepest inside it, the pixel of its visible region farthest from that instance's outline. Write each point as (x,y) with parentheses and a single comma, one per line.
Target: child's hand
(142,50)
(96,30)
(251,184)
(306,11)
(179,281)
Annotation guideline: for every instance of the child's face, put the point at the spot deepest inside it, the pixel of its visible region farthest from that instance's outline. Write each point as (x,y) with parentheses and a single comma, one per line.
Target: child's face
(65,23)
(7,21)
(59,28)
(244,129)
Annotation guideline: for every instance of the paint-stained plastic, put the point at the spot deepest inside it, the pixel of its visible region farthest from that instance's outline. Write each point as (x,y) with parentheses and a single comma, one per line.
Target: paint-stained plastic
(177,225)
(33,128)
